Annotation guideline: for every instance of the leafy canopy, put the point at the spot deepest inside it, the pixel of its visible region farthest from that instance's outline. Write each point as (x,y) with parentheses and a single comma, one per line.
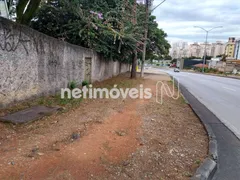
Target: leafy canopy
(103,25)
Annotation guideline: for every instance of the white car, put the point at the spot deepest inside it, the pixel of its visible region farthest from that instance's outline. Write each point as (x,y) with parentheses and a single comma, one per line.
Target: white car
(176,70)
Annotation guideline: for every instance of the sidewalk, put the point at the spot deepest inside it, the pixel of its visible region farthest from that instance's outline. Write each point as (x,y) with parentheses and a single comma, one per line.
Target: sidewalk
(228,163)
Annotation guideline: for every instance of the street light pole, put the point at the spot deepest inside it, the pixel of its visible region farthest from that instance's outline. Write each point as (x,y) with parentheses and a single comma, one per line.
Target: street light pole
(158,5)
(205,52)
(146,33)
(145,37)
(206,41)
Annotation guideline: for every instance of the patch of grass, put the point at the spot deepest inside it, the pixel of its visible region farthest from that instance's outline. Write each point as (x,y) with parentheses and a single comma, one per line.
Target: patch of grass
(198,162)
(50,101)
(182,100)
(85,83)
(123,81)
(72,85)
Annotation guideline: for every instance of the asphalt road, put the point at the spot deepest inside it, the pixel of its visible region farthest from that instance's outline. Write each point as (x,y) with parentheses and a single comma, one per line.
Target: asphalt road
(220,95)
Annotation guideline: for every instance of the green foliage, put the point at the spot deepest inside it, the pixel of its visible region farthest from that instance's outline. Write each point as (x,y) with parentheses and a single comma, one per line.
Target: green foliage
(168,57)
(25,10)
(100,25)
(72,85)
(157,47)
(207,70)
(103,25)
(85,83)
(174,61)
(213,70)
(198,69)
(198,162)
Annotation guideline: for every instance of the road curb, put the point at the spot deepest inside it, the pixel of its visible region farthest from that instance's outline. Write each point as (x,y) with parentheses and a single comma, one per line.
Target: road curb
(206,171)
(208,168)
(212,150)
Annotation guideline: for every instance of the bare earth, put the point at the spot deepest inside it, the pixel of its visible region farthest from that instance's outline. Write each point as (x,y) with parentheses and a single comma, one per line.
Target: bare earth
(108,139)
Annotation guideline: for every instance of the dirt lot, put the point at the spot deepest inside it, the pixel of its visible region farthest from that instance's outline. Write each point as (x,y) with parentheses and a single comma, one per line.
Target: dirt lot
(108,139)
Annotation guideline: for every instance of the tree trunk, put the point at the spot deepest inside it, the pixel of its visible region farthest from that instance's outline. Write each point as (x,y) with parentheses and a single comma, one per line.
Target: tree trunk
(134,61)
(134,66)
(21,5)
(26,10)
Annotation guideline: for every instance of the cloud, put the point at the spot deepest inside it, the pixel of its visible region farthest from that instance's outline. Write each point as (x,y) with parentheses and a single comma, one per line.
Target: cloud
(178,18)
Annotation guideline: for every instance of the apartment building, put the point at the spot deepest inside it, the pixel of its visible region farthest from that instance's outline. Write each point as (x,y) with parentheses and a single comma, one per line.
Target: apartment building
(217,48)
(179,49)
(195,50)
(208,49)
(230,47)
(182,49)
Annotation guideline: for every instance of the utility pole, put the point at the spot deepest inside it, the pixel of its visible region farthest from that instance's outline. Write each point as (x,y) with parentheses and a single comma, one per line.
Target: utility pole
(147,5)
(206,41)
(145,36)
(205,51)
(237,49)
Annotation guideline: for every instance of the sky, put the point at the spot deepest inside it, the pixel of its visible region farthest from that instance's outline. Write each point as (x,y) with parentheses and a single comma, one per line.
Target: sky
(178,18)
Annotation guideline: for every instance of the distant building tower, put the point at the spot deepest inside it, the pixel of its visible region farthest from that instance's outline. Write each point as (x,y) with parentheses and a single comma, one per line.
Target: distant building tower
(4,9)
(230,47)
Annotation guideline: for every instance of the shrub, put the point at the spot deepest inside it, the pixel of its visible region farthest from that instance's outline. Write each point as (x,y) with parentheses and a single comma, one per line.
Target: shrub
(207,70)
(72,85)
(198,69)
(85,83)
(211,70)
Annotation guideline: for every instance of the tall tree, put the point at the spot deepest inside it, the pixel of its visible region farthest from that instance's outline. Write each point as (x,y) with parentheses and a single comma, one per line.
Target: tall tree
(100,25)
(156,43)
(113,28)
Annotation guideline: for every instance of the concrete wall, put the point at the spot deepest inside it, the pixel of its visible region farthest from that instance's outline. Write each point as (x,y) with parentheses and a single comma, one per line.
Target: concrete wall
(33,64)
(227,67)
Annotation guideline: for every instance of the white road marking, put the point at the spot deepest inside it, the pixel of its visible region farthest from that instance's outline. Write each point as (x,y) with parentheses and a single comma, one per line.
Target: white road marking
(229,88)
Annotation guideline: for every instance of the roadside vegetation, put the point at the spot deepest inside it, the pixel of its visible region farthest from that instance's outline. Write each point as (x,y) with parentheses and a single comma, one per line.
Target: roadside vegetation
(207,70)
(66,104)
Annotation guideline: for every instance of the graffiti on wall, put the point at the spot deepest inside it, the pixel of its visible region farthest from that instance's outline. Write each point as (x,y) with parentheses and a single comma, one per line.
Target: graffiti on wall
(10,41)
